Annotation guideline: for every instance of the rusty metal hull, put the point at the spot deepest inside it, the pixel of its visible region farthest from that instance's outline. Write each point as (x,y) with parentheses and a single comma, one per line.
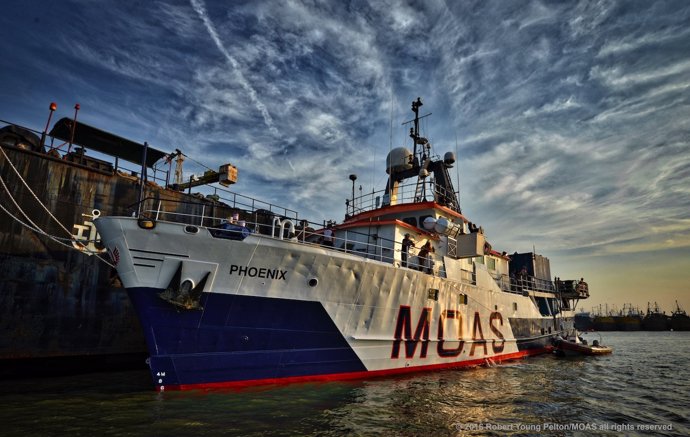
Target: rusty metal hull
(56,302)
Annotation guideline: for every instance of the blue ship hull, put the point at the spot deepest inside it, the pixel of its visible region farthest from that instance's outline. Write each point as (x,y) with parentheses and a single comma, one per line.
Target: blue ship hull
(245,340)
(240,338)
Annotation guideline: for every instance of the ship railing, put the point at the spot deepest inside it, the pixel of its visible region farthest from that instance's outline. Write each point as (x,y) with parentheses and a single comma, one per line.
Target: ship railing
(100,161)
(212,210)
(522,284)
(241,201)
(288,227)
(255,215)
(406,193)
(384,250)
(572,288)
(387,251)
(275,226)
(292,228)
(349,241)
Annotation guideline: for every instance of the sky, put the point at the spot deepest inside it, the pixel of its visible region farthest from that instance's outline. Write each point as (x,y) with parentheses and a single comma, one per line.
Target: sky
(571,120)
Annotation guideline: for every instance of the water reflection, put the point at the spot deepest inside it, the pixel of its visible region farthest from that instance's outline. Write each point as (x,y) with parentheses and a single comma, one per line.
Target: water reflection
(645,381)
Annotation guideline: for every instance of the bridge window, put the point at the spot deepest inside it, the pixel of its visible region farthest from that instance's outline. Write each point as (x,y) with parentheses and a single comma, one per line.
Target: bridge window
(411,221)
(422,218)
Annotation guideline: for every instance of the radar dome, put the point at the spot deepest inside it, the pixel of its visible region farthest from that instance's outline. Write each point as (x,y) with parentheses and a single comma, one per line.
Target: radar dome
(447,227)
(398,159)
(429,223)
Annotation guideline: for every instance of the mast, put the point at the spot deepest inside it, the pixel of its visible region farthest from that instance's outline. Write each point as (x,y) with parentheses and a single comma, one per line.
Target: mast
(414,131)
(419,164)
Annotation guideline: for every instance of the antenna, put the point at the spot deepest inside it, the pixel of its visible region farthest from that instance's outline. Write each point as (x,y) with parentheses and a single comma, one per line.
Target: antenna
(390,141)
(74,126)
(353,178)
(457,171)
(53,107)
(414,131)
(390,135)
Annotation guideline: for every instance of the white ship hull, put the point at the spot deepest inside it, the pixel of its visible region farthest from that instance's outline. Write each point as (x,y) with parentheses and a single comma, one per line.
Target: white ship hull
(405,283)
(273,309)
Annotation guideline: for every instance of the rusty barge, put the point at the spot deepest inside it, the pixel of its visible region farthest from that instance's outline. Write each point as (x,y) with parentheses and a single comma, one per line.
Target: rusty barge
(62,306)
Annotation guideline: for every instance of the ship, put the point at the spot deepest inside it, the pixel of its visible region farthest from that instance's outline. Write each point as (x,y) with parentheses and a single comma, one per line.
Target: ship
(655,319)
(63,308)
(628,319)
(603,320)
(584,321)
(680,321)
(405,283)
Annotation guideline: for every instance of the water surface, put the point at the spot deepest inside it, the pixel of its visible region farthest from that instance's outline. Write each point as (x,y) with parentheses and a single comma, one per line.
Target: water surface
(646,382)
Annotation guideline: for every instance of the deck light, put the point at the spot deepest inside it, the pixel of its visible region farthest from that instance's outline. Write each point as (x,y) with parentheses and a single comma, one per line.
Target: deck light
(53,107)
(146,223)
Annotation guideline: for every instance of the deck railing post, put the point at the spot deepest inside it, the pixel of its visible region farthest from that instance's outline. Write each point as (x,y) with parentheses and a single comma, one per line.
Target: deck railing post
(142,177)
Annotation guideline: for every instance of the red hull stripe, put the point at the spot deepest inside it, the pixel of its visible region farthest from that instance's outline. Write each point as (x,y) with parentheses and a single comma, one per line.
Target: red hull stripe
(383,223)
(357,375)
(402,207)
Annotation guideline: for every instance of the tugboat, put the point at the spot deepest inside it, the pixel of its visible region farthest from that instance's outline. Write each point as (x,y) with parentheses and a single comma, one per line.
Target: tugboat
(680,321)
(404,283)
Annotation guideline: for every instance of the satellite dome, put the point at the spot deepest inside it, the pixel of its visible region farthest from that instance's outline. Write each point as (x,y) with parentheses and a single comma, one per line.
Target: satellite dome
(447,227)
(429,223)
(441,225)
(398,159)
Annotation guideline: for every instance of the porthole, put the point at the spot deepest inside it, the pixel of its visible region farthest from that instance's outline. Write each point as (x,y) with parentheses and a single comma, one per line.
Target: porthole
(191,229)
(313,282)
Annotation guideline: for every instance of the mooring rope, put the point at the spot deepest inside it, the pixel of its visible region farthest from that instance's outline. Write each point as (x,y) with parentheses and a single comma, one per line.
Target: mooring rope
(31,191)
(34,227)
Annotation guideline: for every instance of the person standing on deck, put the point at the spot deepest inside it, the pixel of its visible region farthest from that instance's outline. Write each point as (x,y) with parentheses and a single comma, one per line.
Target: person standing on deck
(328,236)
(424,258)
(406,243)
